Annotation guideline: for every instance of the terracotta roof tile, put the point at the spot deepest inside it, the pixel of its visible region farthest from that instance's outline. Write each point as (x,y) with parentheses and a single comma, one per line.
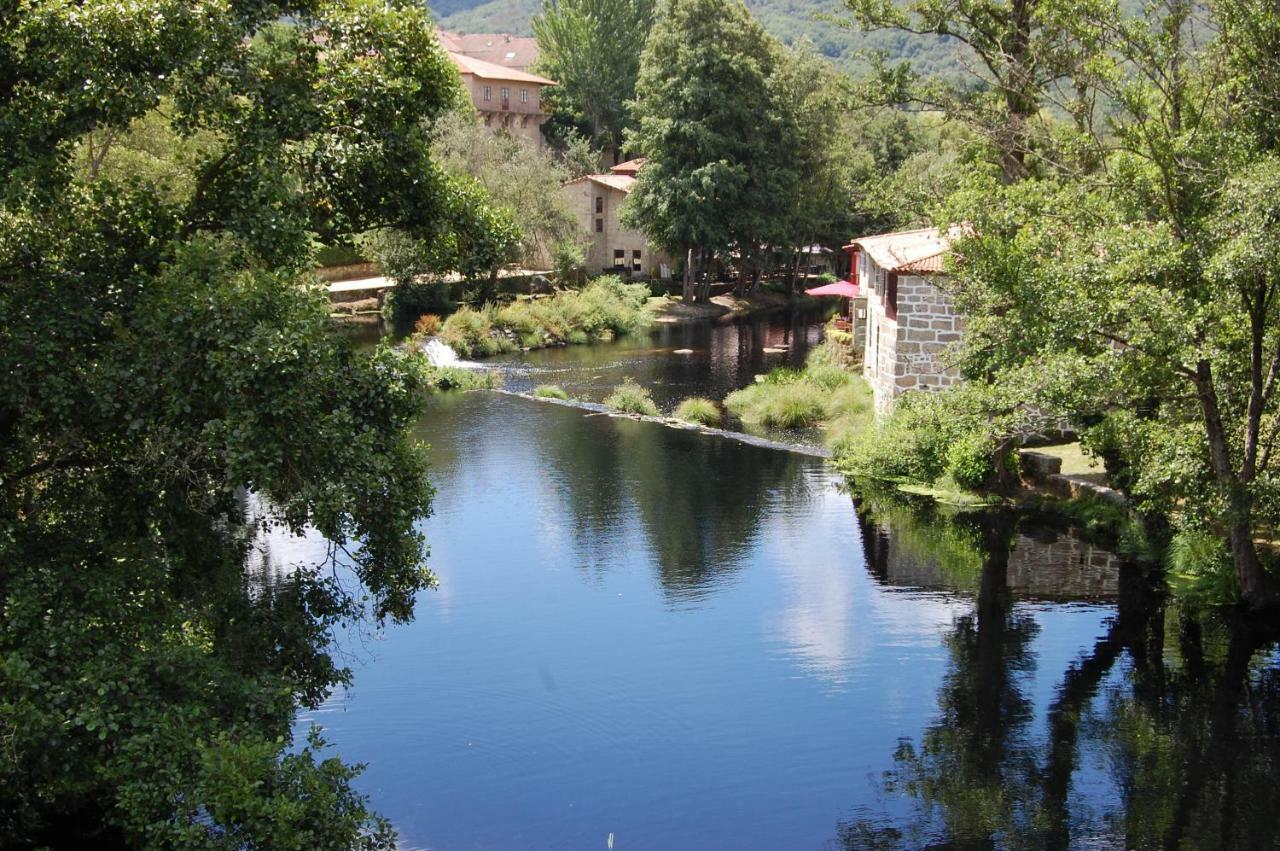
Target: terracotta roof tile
(489,71)
(920,251)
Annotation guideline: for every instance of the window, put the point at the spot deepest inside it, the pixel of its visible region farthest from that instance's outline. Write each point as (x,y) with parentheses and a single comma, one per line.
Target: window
(599,204)
(524,95)
(891,296)
(599,225)
(488,93)
(635,260)
(619,258)
(506,94)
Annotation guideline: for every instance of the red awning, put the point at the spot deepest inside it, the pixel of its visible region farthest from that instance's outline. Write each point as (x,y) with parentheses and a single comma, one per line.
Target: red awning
(847,289)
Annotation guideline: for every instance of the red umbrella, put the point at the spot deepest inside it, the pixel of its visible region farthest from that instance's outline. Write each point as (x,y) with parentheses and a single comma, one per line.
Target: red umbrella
(848,289)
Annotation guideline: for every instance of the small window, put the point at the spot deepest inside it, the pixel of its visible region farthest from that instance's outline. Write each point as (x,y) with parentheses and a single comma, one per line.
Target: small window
(619,258)
(635,260)
(599,225)
(599,204)
(524,95)
(488,93)
(506,93)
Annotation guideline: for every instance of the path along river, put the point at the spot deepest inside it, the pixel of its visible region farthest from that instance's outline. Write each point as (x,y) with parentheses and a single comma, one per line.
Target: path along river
(664,640)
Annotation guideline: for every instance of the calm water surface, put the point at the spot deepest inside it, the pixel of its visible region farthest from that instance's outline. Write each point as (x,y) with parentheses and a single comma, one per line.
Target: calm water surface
(691,643)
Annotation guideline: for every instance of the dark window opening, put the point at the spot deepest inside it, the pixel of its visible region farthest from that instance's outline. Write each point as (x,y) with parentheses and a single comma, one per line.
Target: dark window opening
(635,261)
(891,296)
(599,205)
(599,225)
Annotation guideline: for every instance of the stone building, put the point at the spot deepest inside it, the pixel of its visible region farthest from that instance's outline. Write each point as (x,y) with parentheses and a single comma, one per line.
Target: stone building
(506,98)
(910,320)
(597,199)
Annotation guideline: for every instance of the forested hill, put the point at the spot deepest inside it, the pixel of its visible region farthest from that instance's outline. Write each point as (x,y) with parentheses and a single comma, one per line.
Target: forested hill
(789,20)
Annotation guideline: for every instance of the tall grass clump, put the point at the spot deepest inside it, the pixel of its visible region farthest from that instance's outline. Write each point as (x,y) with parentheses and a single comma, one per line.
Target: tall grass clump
(456,378)
(695,409)
(631,398)
(471,333)
(825,393)
(550,391)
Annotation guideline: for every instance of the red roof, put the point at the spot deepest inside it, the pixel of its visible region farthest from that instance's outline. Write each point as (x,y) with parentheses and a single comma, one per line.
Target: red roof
(489,71)
(847,289)
(509,51)
(622,182)
(628,167)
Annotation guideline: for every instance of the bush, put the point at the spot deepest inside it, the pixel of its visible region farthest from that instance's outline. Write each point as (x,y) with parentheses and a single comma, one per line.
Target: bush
(1200,567)
(411,298)
(698,410)
(428,325)
(457,378)
(969,461)
(910,444)
(549,391)
(631,398)
(470,333)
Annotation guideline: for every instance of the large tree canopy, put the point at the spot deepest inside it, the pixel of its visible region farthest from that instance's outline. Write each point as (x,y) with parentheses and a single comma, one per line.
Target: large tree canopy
(592,49)
(173,386)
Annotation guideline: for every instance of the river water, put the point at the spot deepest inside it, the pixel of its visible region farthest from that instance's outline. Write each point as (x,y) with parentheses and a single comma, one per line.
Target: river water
(660,639)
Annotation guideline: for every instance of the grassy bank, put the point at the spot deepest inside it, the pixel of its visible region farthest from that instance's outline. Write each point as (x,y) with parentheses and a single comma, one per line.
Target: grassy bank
(826,394)
(606,308)
(456,378)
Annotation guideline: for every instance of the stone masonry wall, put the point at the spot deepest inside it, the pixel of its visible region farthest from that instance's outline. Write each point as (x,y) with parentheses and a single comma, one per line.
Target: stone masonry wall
(601,247)
(907,353)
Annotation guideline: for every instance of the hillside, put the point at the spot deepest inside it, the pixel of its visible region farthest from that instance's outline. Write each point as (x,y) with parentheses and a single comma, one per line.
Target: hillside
(789,20)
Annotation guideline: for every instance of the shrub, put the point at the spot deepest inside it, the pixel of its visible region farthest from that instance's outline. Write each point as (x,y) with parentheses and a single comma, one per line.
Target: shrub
(470,333)
(456,378)
(631,398)
(549,391)
(969,461)
(428,325)
(411,298)
(910,444)
(695,409)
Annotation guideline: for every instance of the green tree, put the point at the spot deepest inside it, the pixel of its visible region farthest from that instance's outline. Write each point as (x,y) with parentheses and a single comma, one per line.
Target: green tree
(1021,59)
(1151,289)
(174,388)
(592,49)
(705,123)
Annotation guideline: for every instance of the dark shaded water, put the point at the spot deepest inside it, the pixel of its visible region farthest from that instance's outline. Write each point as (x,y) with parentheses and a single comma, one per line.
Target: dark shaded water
(691,643)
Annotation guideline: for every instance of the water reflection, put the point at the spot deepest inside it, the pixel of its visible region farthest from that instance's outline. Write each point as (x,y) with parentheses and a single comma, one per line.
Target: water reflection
(1165,733)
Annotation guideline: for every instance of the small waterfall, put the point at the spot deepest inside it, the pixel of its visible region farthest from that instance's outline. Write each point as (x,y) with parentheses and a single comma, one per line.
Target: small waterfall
(439,353)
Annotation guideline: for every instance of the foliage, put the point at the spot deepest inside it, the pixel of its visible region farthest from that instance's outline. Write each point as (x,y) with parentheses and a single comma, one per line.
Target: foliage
(174,388)
(526,179)
(462,378)
(427,325)
(707,127)
(550,391)
(825,393)
(592,49)
(1170,240)
(605,308)
(698,410)
(630,398)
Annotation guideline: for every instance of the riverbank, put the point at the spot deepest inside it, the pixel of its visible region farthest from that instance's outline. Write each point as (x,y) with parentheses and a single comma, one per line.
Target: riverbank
(671,310)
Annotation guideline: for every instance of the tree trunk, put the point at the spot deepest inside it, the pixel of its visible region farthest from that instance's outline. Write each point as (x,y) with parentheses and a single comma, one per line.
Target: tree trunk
(704,290)
(688,277)
(1244,554)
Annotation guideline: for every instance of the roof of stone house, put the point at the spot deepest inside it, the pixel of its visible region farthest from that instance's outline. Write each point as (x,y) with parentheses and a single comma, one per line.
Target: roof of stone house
(489,71)
(622,182)
(509,51)
(920,252)
(628,167)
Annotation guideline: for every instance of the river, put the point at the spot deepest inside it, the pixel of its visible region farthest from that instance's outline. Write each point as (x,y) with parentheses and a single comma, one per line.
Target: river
(660,639)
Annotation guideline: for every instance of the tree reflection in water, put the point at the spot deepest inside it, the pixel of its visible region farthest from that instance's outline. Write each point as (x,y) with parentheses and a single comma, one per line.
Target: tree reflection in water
(1185,708)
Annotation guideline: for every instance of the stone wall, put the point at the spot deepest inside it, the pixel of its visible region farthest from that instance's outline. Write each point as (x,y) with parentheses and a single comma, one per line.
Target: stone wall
(602,246)
(906,352)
